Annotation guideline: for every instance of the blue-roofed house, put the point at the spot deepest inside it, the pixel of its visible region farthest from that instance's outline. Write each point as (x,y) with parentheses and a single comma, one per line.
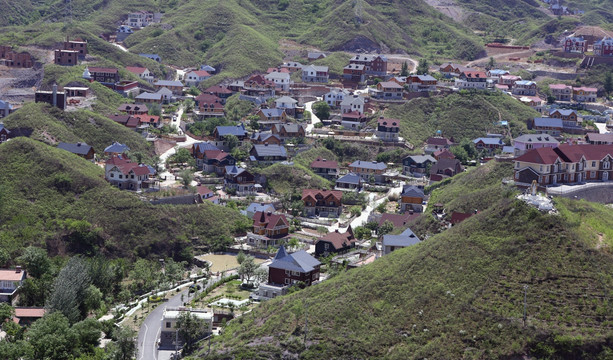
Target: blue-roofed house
(116,149)
(268,153)
(489,144)
(221,132)
(173,85)
(349,181)
(395,242)
(81,149)
(154,57)
(255,207)
(412,199)
(238,180)
(4,133)
(5,109)
(369,171)
(551,126)
(288,269)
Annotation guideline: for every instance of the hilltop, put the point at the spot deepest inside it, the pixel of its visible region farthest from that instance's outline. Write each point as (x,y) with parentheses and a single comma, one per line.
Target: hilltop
(45,123)
(464,115)
(52,198)
(458,294)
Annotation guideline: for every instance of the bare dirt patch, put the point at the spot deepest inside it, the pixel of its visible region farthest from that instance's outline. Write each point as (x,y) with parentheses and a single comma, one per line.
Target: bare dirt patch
(449,8)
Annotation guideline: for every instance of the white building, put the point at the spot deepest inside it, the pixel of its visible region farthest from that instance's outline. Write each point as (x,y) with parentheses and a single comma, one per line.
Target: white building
(280,79)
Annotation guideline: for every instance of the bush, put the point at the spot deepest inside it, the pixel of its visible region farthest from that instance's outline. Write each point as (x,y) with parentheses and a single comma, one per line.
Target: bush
(155,299)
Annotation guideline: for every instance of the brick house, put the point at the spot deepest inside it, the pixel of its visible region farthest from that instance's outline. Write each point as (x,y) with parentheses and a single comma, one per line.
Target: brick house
(270,225)
(258,138)
(335,243)
(268,153)
(566,164)
(209,105)
(288,130)
(575,44)
(324,203)
(104,75)
(288,269)
(388,90)
(561,92)
(388,129)
(54,97)
(604,47)
(221,92)
(78,45)
(11,58)
(355,72)
(65,57)
(445,168)
(375,65)
(369,170)
(198,152)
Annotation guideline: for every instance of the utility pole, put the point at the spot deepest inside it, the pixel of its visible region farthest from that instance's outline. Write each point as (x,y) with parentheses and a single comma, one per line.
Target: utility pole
(525,303)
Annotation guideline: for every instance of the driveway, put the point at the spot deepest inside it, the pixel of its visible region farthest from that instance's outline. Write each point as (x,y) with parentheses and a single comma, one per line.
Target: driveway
(314,119)
(149,332)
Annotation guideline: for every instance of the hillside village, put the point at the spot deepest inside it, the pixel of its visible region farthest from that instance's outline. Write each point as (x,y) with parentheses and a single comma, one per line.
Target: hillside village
(325,164)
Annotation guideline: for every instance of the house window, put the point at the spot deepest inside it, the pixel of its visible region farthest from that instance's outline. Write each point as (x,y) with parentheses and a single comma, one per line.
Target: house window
(314,276)
(287,272)
(326,246)
(295,273)
(167,324)
(593,163)
(121,176)
(592,174)
(112,175)
(287,280)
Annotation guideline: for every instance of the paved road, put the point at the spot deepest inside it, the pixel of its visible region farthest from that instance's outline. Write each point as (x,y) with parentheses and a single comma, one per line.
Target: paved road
(150,330)
(314,119)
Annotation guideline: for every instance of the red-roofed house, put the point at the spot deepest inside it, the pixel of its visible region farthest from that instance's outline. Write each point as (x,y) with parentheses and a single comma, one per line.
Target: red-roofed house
(388,129)
(324,203)
(585,94)
(565,164)
(435,143)
(270,225)
(443,154)
(141,72)
(221,92)
(151,120)
(207,194)
(215,161)
(133,109)
(335,243)
(327,169)
(399,220)
(25,316)
(472,80)
(193,78)
(209,105)
(126,175)
(561,92)
(10,281)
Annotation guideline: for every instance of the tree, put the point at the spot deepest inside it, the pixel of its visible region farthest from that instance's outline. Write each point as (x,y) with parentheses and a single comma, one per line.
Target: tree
(186,178)
(240,257)
(6,313)
(191,329)
(155,109)
(247,269)
(423,67)
(608,83)
(386,227)
(17,350)
(88,334)
(69,290)
(35,261)
(293,243)
(4,257)
(52,338)
(404,71)
(254,122)
(143,274)
(261,275)
(232,141)
(355,211)
(124,348)
(93,298)
(491,63)
(174,271)
(322,230)
(382,207)
(362,232)
(322,110)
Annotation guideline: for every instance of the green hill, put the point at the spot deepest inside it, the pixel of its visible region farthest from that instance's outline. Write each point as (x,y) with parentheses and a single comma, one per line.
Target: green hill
(45,192)
(48,124)
(458,294)
(461,116)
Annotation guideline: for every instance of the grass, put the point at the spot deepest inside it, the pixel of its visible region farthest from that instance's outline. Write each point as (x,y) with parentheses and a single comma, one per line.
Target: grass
(459,294)
(45,123)
(42,188)
(460,115)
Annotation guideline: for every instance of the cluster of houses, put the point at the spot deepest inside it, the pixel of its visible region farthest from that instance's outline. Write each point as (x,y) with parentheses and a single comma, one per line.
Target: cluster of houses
(70,52)
(14,59)
(581,45)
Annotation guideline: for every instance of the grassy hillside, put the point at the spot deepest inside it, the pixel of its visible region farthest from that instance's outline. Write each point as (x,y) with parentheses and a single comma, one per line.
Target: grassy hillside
(458,294)
(461,115)
(48,124)
(43,190)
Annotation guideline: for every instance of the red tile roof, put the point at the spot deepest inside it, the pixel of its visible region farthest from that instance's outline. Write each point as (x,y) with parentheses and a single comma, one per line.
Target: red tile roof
(11,275)
(203,190)
(22,312)
(399,220)
(438,140)
(324,193)
(443,154)
(567,153)
(324,164)
(148,118)
(218,90)
(208,99)
(118,160)
(215,154)
(388,122)
(544,155)
(271,220)
(586,89)
(475,74)
(201,73)
(135,69)
(353,115)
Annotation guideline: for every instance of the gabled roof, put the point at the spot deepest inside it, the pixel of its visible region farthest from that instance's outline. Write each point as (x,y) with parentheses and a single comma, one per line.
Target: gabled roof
(272,112)
(548,122)
(412,191)
(78,148)
(444,164)
(586,89)
(216,154)
(369,165)
(204,146)
(589,136)
(203,190)
(278,75)
(337,194)
(574,153)
(438,140)
(289,127)
(218,90)
(443,154)
(260,136)
(200,73)
(233,170)
(168,83)
(286,99)
(205,98)
(426,78)
(559,86)
(390,84)
(269,218)
(315,68)
(473,74)
(339,240)
(324,164)
(236,130)
(3,128)
(136,70)
(164,91)
(353,100)
(269,150)
(133,107)
(149,96)
(116,148)
(407,238)
(207,68)
(149,119)
(525,83)
(488,141)
(543,155)
(350,178)
(388,122)
(355,67)
(102,70)
(299,261)
(399,220)
(563,112)
(260,207)
(536,138)
(420,159)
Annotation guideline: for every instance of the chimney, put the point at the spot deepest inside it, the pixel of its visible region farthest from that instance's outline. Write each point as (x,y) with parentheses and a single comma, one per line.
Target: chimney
(18,269)
(336,231)
(55,95)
